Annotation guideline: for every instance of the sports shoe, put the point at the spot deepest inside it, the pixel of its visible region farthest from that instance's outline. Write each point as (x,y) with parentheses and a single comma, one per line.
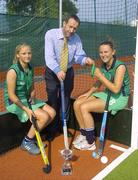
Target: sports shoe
(30,146)
(78,139)
(84,145)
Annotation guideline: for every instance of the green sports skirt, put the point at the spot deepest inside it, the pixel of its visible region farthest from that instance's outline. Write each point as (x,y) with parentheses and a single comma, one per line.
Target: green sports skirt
(22,115)
(116,103)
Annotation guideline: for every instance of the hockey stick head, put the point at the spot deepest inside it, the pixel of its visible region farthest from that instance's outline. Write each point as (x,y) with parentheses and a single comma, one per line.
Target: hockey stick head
(47,169)
(96,155)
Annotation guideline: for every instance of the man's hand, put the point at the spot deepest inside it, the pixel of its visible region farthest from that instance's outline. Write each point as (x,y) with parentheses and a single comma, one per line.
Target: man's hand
(61,75)
(89,61)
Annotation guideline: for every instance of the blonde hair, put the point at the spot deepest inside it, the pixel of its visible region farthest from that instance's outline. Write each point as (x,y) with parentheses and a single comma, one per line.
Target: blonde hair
(17,50)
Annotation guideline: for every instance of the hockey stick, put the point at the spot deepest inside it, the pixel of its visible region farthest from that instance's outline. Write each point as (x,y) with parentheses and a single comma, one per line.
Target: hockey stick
(47,167)
(98,154)
(64,122)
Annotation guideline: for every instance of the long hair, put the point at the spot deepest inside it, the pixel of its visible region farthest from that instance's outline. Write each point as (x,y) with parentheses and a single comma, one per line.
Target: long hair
(17,50)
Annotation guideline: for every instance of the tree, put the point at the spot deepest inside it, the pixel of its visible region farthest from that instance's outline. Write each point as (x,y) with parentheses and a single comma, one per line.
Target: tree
(69,8)
(21,7)
(40,8)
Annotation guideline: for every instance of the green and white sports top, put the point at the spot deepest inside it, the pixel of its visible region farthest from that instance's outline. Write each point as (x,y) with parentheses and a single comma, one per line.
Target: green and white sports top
(23,84)
(125,89)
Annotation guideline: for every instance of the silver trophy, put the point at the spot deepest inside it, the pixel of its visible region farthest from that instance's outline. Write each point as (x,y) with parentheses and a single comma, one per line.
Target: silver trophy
(66,167)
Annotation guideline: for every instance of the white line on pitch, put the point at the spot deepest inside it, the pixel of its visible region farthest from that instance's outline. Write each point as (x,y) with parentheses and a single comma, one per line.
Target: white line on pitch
(118,148)
(113,164)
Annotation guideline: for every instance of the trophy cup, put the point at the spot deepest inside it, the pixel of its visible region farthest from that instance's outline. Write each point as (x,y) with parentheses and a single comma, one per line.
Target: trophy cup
(66,167)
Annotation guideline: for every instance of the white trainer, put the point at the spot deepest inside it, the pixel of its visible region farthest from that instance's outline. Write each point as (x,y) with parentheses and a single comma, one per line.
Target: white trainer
(84,145)
(78,139)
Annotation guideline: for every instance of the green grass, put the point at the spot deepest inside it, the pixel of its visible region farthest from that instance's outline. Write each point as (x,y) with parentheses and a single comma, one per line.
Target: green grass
(127,170)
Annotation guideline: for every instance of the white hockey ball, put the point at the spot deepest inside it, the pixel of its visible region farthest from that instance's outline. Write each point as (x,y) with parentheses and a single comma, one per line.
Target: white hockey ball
(104,159)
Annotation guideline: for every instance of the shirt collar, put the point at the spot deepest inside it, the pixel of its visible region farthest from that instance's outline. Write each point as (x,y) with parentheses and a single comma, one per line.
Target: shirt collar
(21,68)
(60,34)
(112,66)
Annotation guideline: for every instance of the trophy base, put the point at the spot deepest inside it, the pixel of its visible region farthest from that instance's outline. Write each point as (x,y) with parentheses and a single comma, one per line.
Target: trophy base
(66,169)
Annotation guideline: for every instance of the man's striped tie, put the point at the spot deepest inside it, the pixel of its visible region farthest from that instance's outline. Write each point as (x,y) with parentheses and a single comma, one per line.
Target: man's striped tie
(64,56)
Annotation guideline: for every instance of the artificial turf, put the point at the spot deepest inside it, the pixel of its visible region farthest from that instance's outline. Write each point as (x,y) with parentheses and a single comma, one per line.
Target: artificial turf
(127,170)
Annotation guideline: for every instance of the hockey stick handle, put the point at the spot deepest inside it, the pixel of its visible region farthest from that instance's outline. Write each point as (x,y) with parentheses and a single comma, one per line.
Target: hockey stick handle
(62,100)
(93,70)
(108,97)
(107,101)
(33,119)
(105,114)
(35,123)
(63,115)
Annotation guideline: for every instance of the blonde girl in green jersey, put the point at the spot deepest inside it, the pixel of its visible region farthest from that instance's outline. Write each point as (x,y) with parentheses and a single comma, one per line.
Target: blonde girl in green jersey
(19,95)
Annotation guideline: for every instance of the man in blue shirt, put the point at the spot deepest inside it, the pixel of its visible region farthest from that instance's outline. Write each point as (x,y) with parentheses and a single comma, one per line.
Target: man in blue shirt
(54,40)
